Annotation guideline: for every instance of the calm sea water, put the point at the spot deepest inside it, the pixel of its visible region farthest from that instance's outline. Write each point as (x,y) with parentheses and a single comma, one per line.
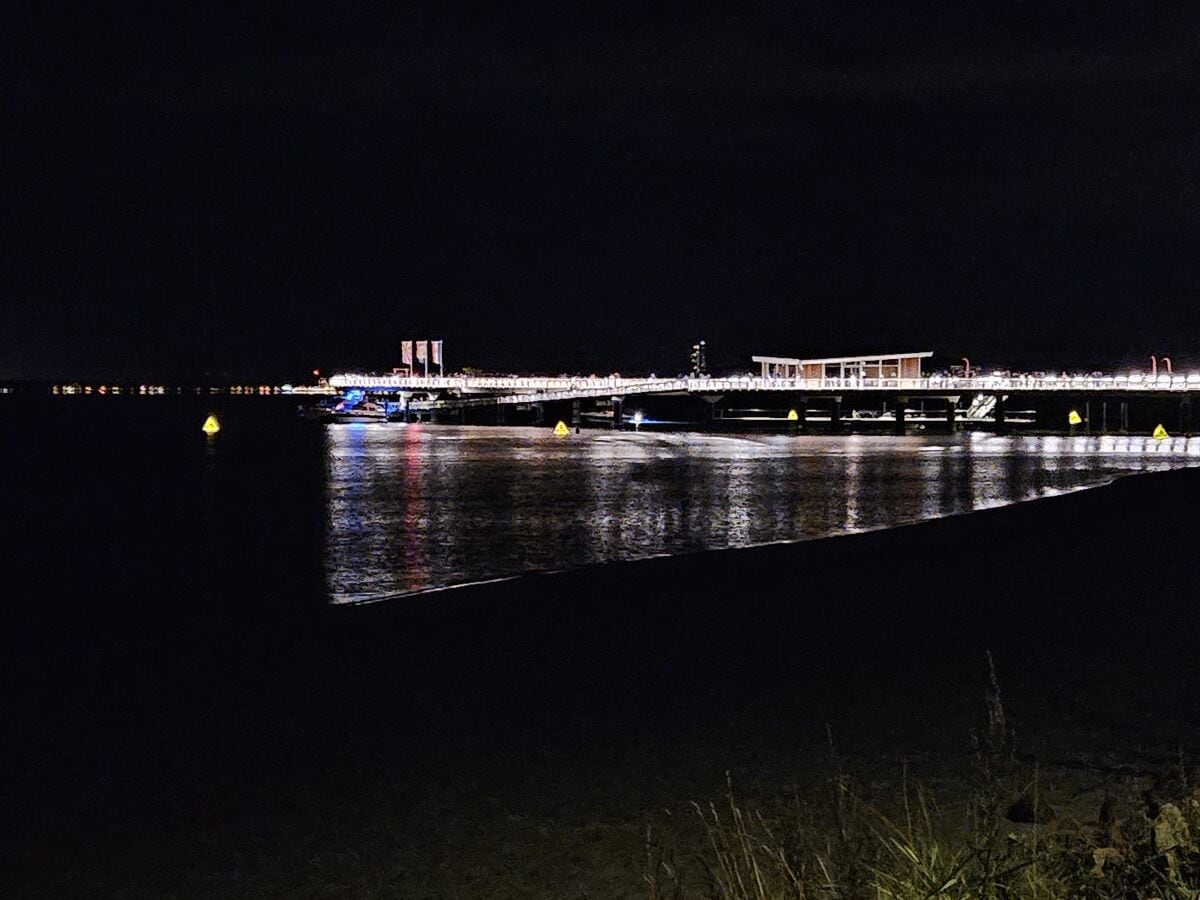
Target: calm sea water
(168,595)
(416,508)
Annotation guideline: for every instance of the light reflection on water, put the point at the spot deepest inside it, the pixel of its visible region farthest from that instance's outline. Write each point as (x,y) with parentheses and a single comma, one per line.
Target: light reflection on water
(416,508)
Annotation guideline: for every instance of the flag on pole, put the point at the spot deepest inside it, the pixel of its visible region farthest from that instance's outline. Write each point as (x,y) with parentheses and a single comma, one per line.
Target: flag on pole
(435,352)
(422,351)
(406,352)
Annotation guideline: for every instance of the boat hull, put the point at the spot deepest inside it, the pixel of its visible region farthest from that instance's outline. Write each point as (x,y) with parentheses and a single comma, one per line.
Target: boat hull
(343,417)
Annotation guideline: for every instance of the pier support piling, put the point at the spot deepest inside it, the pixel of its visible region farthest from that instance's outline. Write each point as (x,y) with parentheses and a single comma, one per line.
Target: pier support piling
(898,427)
(951,414)
(710,409)
(618,411)
(998,414)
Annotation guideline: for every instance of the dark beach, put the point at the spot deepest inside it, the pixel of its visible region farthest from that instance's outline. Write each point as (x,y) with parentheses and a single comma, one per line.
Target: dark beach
(185,717)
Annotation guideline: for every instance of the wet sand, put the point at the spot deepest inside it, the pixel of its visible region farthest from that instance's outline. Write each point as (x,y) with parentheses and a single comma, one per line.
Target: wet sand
(514,739)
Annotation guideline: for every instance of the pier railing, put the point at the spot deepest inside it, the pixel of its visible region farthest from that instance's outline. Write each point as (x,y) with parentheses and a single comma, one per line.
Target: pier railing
(527,389)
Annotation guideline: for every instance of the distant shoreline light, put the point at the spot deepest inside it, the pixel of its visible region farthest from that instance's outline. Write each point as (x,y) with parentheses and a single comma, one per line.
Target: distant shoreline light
(158,390)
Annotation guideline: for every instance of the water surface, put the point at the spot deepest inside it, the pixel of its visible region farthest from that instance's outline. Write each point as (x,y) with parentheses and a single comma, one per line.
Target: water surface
(418,508)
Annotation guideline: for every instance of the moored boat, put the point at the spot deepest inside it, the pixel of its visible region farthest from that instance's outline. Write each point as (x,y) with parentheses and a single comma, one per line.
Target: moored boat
(352,407)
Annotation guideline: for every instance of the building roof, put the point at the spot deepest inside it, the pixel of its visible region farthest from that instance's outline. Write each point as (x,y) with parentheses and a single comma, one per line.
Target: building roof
(862,357)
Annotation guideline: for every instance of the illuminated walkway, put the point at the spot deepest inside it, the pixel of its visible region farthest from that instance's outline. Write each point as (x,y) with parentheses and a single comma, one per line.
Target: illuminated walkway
(491,389)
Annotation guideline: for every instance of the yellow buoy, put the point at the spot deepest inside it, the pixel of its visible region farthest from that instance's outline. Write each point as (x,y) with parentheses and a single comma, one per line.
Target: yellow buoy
(561,429)
(211,425)
(1160,433)
(1074,418)
(793,416)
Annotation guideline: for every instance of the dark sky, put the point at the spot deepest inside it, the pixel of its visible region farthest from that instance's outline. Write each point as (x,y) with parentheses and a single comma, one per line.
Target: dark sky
(248,195)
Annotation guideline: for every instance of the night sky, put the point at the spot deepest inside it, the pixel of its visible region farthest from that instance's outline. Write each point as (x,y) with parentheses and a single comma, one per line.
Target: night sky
(238,195)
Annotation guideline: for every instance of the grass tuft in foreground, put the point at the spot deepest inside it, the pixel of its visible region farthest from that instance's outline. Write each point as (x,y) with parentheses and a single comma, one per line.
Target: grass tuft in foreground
(1002,841)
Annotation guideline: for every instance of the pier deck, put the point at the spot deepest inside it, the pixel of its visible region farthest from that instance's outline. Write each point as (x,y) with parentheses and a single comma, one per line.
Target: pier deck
(491,389)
